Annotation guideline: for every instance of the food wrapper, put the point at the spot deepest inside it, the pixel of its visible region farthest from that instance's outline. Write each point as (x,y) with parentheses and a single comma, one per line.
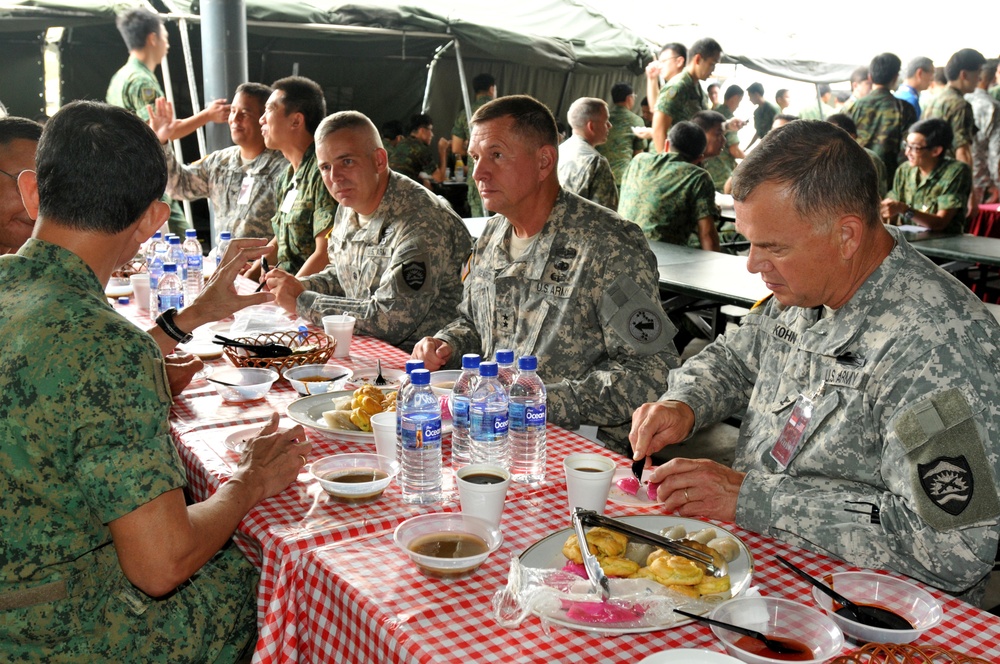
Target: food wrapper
(562,595)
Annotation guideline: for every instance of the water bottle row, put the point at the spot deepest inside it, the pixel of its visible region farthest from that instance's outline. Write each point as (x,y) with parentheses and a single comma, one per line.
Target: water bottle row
(187,276)
(498,418)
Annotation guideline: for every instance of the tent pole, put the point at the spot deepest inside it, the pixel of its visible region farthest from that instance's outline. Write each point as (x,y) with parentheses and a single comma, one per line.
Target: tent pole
(562,95)
(431,67)
(465,86)
(819,102)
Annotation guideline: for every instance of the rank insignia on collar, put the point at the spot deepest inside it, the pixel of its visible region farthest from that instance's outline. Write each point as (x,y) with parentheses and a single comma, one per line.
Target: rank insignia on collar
(948,483)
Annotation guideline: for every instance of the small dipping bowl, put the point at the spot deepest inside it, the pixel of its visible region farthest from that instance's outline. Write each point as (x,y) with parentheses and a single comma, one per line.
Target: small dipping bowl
(450,526)
(443,381)
(341,476)
(780,618)
(902,598)
(307,378)
(247,384)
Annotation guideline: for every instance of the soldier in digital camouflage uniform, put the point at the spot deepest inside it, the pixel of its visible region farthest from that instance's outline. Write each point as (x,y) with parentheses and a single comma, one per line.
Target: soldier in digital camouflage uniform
(396,250)
(986,142)
(484,88)
(722,165)
(413,155)
(930,190)
(892,462)
(763,115)
(305,208)
(882,120)
(669,197)
(582,169)
(682,95)
(622,143)
(239,180)
(845,122)
(560,278)
(100,559)
(962,71)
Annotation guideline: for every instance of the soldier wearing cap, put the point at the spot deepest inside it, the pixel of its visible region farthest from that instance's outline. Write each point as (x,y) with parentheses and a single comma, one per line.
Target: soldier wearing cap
(556,276)
(868,382)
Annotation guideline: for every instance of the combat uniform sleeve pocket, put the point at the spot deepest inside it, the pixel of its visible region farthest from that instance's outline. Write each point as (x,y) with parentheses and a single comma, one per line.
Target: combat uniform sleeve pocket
(636,318)
(951,477)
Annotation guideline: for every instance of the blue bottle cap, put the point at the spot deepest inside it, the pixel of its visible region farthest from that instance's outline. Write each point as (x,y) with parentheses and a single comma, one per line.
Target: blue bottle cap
(488,369)
(174,239)
(527,363)
(414,364)
(225,235)
(170,267)
(420,377)
(123,299)
(191,233)
(158,235)
(505,356)
(470,361)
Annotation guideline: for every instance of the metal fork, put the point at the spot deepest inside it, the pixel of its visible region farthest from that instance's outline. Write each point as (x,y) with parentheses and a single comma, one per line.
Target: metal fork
(380,380)
(591,518)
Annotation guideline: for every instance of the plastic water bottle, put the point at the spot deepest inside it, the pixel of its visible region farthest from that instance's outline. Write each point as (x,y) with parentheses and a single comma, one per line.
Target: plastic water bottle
(488,419)
(527,423)
(194,281)
(404,383)
(156,243)
(458,403)
(220,249)
(175,255)
(154,266)
(505,367)
(459,169)
(421,453)
(169,289)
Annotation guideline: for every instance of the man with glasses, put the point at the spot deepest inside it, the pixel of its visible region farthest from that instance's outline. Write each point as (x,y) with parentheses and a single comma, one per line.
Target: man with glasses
(18,141)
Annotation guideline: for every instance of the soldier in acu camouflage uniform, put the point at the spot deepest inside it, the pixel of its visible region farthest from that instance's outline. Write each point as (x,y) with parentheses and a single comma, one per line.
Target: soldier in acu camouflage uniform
(930,190)
(962,71)
(622,144)
(100,559)
(882,120)
(305,208)
(582,169)
(556,276)
(868,382)
(238,180)
(484,88)
(671,198)
(396,250)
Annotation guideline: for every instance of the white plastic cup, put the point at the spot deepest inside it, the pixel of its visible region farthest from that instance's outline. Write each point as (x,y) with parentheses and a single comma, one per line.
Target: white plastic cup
(384,428)
(140,287)
(588,481)
(484,500)
(341,328)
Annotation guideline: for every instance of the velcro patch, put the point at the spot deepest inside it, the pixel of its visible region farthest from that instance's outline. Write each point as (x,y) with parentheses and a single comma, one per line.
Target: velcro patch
(414,274)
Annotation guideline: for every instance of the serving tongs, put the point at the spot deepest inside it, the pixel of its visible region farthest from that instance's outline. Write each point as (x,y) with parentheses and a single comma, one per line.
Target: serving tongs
(592,518)
(261,350)
(598,580)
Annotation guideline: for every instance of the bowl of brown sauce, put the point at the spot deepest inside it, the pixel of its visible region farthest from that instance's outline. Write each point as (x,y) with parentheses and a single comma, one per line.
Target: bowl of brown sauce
(447,545)
(802,628)
(915,605)
(317,378)
(354,478)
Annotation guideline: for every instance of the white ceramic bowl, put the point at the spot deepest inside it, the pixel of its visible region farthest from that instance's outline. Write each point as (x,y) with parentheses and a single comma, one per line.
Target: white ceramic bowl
(367,377)
(247,383)
(443,381)
(296,377)
(328,469)
(781,618)
(905,599)
(417,528)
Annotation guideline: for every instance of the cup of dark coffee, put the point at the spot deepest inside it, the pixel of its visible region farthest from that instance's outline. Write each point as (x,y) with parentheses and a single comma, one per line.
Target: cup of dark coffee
(482,490)
(588,481)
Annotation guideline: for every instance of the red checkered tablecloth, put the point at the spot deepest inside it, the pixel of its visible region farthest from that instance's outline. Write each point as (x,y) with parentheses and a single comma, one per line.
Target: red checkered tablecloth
(334,587)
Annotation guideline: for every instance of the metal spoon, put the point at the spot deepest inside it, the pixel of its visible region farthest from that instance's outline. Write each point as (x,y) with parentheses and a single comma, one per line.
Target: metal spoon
(872,616)
(777,645)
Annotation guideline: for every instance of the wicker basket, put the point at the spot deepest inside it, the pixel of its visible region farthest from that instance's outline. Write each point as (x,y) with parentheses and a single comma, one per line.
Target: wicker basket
(134,266)
(324,349)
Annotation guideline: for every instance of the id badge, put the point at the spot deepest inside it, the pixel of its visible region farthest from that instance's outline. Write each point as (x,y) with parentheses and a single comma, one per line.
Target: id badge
(791,434)
(286,205)
(245,189)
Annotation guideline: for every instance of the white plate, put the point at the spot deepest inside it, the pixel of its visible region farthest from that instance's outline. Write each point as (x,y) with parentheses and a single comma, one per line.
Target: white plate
(366,376)
(688,656)
(616,495)
(546,553)
(118,290)
(203,348)
(308,411)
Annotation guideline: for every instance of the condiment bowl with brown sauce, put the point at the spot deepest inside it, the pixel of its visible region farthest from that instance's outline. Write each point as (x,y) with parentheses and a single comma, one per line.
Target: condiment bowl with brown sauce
(354,478)
(317,378)
(816,636)
(447,545)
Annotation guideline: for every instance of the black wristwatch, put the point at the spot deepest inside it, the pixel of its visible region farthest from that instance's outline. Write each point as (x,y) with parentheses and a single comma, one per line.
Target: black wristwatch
(165,322)
(908,213)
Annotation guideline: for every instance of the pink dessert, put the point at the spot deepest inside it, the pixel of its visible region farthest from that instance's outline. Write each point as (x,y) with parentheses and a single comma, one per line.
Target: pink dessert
(629,485)
(651,490)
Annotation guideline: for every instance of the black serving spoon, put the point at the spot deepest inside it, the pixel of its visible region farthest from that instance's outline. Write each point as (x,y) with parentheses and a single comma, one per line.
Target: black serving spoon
(873,616)
(780,646)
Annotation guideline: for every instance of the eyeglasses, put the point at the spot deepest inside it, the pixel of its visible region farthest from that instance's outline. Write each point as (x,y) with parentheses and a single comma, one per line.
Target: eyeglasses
(11,176)
(915,148)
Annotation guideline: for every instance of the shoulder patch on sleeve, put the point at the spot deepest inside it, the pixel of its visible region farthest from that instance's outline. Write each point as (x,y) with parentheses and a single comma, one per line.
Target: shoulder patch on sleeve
(415,274)
(636,318)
